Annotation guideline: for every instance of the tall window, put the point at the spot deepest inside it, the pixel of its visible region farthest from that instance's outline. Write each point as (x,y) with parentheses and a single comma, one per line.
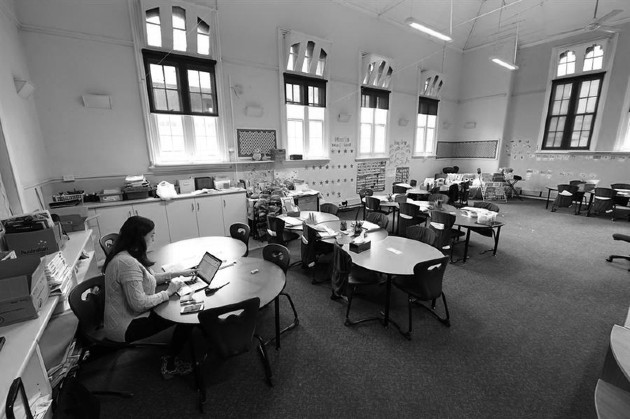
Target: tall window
(181,87)
(304,80)
(306,105)
(376,77)
(572,112)
(574,96)
(374,108)
(426,127)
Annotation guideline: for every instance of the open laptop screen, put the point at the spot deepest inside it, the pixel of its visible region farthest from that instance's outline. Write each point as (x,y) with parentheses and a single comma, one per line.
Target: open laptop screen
(208,267)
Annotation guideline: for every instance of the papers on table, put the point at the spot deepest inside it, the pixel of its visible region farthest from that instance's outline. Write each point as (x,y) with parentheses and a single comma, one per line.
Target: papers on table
(394,251)
(292,221)
(368,226)
(326,232)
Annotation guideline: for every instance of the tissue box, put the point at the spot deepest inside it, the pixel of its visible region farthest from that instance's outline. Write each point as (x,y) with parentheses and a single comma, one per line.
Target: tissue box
(360,247)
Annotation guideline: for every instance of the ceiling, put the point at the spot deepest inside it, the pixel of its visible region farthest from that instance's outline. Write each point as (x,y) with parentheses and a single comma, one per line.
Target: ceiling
(483,22)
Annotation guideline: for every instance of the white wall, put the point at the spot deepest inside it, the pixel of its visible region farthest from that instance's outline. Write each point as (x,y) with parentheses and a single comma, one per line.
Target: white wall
(20,124)
(74,48)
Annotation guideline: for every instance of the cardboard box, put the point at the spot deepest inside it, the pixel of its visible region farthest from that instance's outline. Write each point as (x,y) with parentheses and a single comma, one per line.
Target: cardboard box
(39,242)
(23,289)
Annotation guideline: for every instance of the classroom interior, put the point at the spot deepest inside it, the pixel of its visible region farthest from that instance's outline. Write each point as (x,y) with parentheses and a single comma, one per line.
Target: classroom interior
(534,321)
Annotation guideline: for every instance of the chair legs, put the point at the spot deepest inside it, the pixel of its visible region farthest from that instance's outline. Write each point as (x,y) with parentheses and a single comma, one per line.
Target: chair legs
(296,321)
(348,322)
(611,257)
(412,300)
(264,359)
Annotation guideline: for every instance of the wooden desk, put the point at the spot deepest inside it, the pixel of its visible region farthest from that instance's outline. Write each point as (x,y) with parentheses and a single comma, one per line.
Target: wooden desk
(381,258)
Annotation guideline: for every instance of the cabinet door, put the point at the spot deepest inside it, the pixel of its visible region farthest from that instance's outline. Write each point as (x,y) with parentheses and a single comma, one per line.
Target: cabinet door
(182,220)
(110,219)
(156,212)
(210,216)
(234,210)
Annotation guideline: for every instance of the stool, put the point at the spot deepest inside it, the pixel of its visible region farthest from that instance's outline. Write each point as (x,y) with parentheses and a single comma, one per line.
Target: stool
(622,237)
(511,183)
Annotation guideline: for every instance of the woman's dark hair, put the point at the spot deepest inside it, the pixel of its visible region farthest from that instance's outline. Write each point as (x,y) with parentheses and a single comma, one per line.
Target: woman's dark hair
(131,239)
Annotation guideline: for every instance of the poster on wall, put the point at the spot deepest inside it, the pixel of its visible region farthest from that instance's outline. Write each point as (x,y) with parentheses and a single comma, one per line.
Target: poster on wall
(371,175)
(402,174)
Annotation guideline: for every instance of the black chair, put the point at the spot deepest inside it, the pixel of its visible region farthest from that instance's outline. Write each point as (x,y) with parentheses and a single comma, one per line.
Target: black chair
(279,255)
(621,201)
(378,218)
(413,183)
(438,197)
(87,301)
(486,232)
(240,232)
(396,189)
(373,205)
(277,233)
(346,278)
(329,208)
(107,242)
(579,197)
(622,237)
(312,248)
(424,285)
(363,193)
(565,197)
(441,223)
(422,234)
(603,202)
(408,215)
(229,331)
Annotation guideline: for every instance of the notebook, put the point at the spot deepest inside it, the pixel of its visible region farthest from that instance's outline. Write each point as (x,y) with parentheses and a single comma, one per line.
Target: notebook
(206,270)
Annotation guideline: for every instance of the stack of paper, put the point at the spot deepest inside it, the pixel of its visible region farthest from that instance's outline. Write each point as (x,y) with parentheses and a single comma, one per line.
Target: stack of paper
(132,181)
(58,274)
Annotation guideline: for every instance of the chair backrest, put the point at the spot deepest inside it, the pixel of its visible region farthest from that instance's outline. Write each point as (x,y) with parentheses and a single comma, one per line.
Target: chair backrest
(277,254)
(87,301)
(371,203)
(577,182)
(378,218)
(422,234)
(486,205)
(426,282)
(438,197)
(308,246)
(605,192)
(107,242)
(329,208)
(399,189)
(620,185)
(276,229)
(229,330)
(240,231)
(572,189)
(441,223)
(400,198)
(365,192)
(408,210)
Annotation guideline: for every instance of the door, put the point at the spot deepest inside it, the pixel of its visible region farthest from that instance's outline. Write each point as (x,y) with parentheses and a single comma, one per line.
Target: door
(234,210)
(110,219)
(182,220)
(156,212)
(210,216)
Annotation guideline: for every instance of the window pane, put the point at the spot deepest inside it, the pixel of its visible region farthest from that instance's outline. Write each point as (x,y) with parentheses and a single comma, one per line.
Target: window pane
(157,75)
(581,106)
(420,140)
(430,139)
(193,81)
(380,116)
(159,99)
(422,120)
(566,91)
(179,29)
(206,144)
(598,63)
(203,44)
(590,107)
(367,115)
(295,112)
(366,138)
(316,138)
(179,40)
(172,98)
(432,121)
(584,138)
(316,113)
(295,134)
(154,35)
(564,107)
(575,137)
(170,74)
(205,82)
(379,138)
(594,88)
(195,102)
(171,135)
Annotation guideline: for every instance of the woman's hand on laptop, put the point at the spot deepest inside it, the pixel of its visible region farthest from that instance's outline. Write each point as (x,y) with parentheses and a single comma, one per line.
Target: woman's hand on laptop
(174,286)
(186,272)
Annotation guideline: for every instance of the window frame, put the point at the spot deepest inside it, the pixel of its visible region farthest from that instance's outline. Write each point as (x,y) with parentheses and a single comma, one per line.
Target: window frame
(571,114)
(377,99)
(428,101)
(182,64)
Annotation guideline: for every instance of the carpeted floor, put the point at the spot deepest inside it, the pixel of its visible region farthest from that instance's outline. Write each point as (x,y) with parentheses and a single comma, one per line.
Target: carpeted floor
(530,330)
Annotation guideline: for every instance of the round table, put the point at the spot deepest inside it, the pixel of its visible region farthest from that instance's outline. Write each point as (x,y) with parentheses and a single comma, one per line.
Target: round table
(320,217)
(393,256)
(343,238)
(266,284)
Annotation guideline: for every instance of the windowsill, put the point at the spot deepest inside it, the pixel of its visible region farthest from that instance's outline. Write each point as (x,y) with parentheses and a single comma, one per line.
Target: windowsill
(581,152)
(191,168)
(367,158)
(423,156)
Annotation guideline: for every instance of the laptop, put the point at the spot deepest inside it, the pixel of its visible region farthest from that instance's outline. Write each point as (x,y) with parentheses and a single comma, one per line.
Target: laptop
(206,270)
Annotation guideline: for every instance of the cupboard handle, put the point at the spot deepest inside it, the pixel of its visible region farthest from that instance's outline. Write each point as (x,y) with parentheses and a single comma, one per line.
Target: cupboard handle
(137,212)
(197,206)
(130,214)
(192,207)
(224,203)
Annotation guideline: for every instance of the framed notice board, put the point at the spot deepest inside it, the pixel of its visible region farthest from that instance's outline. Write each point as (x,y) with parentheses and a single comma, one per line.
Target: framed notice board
(371,175)
(467,149)
(252,139)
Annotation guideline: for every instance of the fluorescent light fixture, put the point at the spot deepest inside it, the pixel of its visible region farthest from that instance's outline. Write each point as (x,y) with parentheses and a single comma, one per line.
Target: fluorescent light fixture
(412,22)
(504,64)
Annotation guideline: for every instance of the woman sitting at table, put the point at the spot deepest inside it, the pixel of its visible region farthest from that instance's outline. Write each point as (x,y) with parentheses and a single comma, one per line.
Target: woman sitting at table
(130,294)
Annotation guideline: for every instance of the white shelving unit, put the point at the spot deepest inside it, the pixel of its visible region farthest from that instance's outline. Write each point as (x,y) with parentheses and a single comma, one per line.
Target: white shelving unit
(612,393)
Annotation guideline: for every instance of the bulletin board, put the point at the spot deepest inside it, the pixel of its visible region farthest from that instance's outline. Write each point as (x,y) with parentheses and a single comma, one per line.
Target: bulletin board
(252,139)
(402,174)
(467,149)
(371,175)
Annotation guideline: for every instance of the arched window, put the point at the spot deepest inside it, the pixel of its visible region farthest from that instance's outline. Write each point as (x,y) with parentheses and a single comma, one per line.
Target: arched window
(203,37)
(154,32)
(566,63)
(594,58)
(179,29)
